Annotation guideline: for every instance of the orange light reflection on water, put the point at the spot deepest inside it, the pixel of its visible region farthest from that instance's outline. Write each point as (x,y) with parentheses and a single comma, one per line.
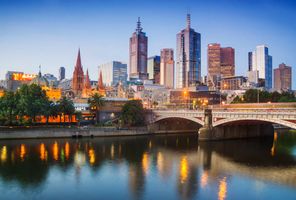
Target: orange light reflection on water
(222,189)
(55,150)
(183,169)
(23,151)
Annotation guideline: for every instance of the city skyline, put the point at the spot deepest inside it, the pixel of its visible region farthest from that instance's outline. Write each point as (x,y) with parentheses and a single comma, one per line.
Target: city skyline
(27,34)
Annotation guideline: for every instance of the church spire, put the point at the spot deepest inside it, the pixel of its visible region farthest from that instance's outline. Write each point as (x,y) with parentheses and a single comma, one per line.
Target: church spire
(87,84)
(78,61)
(100,82)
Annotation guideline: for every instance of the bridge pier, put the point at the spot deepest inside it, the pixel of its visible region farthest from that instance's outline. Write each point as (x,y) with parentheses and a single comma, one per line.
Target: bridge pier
(208,132)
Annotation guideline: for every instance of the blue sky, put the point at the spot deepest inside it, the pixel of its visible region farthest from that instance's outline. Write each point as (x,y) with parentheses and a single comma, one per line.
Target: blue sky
(49,32)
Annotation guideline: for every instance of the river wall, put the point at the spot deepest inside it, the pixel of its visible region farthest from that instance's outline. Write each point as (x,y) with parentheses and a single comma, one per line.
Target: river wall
(64,132)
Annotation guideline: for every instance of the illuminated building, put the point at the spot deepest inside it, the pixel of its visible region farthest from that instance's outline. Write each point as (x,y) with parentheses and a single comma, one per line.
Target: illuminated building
(232,82)
(138,54)
(86,92)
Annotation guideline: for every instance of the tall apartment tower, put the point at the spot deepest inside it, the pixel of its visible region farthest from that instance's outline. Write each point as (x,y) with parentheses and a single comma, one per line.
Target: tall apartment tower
(262,63)
(153,68)
(188,66)
(62,72)
(283,78)
(78,77)
(167,72)
(221,63)
(138,54)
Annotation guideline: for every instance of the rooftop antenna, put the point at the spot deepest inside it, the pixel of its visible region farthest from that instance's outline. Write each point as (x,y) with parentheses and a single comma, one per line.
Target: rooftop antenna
(139,28)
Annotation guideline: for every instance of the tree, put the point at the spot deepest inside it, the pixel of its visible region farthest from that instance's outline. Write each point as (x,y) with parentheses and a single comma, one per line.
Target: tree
(66,107)
(8,108)
(132,113)
(95,102)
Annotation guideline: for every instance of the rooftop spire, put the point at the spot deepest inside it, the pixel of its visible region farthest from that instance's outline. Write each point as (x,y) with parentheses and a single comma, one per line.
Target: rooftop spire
(39,74)
(188,21)
(139,28)
(78,62)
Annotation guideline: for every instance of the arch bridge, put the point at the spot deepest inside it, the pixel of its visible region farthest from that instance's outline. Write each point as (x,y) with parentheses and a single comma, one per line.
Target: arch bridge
(218,120)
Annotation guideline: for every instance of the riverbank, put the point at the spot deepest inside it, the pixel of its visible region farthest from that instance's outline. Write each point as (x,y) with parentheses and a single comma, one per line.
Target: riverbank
(66,132)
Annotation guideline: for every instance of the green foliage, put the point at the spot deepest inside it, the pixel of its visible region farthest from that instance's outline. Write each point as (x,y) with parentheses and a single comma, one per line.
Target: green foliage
(132,113)
(96,101)
(251,96)
(28,103)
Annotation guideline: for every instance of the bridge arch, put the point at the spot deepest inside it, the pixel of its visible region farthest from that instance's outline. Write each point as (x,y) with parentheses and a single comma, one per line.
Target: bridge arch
(193,119)
(273,121)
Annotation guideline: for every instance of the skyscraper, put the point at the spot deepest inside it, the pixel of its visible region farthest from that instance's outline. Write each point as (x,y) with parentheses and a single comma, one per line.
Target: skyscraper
(227,62)
(113,73)
(62,72)
(167,72)
(138,53)
(214,64)
(262,62)
(221,63)
(283,77)
(188,67)
(153,68)
(78,76)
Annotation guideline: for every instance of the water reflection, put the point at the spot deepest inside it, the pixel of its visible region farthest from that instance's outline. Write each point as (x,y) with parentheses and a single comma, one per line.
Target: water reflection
(151,162)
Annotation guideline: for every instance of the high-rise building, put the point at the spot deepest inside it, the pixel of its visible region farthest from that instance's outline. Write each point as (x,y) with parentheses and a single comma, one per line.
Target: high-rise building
(283,77)
(250,56)
(262,62)
(221,63)
(214,64)
(78,76)
(227,62)
(153,68)
(62,72)
(188,67)
(167,72)
(113,73)
(138,53)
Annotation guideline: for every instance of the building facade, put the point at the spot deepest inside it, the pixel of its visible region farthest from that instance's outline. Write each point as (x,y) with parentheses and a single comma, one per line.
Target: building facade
(153,69)
(62,73)
(113,73)
(232,82)
(138,48)
(262,62)
(221,63)
(283,78)
(167,72)
(188,60)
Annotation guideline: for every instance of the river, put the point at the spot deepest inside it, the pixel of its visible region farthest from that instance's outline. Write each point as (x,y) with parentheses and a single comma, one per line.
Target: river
(149,167)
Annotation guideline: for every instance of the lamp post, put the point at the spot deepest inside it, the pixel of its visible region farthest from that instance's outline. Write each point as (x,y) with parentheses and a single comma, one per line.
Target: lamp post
(185,93)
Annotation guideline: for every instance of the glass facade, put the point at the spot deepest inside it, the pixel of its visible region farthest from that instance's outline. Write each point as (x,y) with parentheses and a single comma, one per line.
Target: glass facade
(188,60)
(113,73)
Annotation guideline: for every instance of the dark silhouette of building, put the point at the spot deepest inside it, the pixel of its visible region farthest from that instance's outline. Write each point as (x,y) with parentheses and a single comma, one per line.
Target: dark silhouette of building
(62,72)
